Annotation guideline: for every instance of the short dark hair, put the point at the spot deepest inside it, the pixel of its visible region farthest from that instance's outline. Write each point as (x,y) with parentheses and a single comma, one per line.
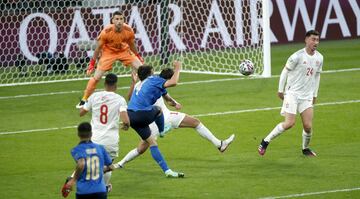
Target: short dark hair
(84,130)
(166,73)
(117,13)
(312,32)
(144,71)
(113,15)
(111,79)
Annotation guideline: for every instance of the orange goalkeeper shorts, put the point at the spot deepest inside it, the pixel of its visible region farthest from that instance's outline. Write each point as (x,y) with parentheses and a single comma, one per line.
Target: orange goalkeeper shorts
(109,57)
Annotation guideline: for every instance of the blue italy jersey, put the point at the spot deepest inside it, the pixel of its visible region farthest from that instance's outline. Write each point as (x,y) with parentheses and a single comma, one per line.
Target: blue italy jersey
(145,95)
(91,179)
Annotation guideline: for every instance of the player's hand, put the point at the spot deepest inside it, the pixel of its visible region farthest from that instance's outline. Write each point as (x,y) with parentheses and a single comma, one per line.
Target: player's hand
(125,126)
(177,65)
(178,106)
(67,188)
(140,58)
(314,100)
(281,95)
(109,168)
(91,67)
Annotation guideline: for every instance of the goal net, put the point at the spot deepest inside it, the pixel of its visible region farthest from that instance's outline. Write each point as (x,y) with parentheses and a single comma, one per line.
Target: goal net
(48,40)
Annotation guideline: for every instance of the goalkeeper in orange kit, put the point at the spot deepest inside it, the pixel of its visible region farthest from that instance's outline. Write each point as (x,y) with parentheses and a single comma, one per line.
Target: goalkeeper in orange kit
(115,42)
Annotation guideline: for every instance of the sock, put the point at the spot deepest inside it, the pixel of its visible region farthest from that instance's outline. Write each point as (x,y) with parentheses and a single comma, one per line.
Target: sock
(306,139)
(205,133)
(160,122)
(129,156)
(275,132)
(158,157)
(107,177)
(90,88)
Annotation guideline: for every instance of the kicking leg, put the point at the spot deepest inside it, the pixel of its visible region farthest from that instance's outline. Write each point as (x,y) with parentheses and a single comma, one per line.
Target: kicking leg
(142,147)
(279,129)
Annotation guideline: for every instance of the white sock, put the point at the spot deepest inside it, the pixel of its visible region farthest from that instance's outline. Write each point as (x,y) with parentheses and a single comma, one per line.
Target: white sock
(130,156)
(306,139)
(107,177)
(275,132)
(205,133)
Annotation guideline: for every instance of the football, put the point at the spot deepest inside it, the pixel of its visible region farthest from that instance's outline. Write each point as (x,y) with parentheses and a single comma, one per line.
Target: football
(246,67)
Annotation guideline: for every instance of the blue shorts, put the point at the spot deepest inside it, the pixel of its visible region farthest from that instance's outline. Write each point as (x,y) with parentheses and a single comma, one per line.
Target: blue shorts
(140,120)
(102,195)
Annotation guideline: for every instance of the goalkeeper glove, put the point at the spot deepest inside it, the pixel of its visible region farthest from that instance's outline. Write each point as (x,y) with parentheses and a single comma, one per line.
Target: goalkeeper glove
(140,58)
(91,67)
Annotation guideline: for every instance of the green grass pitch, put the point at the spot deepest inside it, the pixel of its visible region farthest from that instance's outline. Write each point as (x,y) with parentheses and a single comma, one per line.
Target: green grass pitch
(35,164)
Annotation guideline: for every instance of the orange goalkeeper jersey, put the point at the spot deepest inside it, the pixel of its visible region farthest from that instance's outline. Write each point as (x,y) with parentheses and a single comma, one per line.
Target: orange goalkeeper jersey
(117,41)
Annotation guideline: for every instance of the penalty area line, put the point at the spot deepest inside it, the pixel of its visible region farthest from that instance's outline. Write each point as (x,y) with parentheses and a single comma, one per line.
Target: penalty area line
(195,115)
(181,83)
(312,193)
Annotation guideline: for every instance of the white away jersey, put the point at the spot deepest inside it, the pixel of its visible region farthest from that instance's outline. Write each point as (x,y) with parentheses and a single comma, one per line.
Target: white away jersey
(105,108)
(302,70)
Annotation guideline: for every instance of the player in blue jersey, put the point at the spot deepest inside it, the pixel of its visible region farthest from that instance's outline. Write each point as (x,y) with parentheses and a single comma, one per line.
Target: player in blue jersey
(90,160)
(142,112)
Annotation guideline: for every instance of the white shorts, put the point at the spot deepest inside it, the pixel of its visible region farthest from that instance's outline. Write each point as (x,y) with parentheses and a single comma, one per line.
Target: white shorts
(111,149)
(292,105)
(174,119)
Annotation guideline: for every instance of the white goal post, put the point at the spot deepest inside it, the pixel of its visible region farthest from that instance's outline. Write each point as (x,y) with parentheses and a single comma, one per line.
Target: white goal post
(50,41)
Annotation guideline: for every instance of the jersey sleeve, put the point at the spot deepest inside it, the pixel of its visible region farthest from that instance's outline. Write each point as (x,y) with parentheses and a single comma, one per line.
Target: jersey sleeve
(102,36)
(321,64)
(292,62)
(130,35)
(77,154)
(123,105)
(87,106)
(107,159)
(160,84)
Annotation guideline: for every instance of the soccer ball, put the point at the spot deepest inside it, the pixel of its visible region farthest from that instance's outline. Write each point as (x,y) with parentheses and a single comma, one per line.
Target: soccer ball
(246,67)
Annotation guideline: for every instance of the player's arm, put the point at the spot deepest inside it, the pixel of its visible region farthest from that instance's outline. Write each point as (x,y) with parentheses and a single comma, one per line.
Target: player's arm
(282,81)
(134,49)
(171,101)
(125,121)
(317,84)
(80,166)
(99,45)
(175,78)
(83,112)
(132,86)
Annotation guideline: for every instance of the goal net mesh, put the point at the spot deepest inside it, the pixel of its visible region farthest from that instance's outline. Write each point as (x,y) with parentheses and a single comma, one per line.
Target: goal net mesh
(48,40)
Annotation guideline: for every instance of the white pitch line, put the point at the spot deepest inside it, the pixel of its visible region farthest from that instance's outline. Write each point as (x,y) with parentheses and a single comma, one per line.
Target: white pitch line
(312,193)
(197,115)
(181,83)
(37,130)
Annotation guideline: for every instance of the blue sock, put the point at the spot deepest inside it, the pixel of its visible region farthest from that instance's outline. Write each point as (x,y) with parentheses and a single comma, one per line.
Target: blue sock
(158,157)
(160,122)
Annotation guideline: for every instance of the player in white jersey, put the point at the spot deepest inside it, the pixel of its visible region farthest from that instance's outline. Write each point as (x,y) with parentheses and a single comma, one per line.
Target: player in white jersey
(302,76)
(173,119)
(107,107)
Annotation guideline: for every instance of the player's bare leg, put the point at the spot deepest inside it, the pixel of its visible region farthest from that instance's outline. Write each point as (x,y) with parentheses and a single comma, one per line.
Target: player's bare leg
(136,64)
(307,118)
(279,129)
(91,86)
(142,147)
(156,154)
